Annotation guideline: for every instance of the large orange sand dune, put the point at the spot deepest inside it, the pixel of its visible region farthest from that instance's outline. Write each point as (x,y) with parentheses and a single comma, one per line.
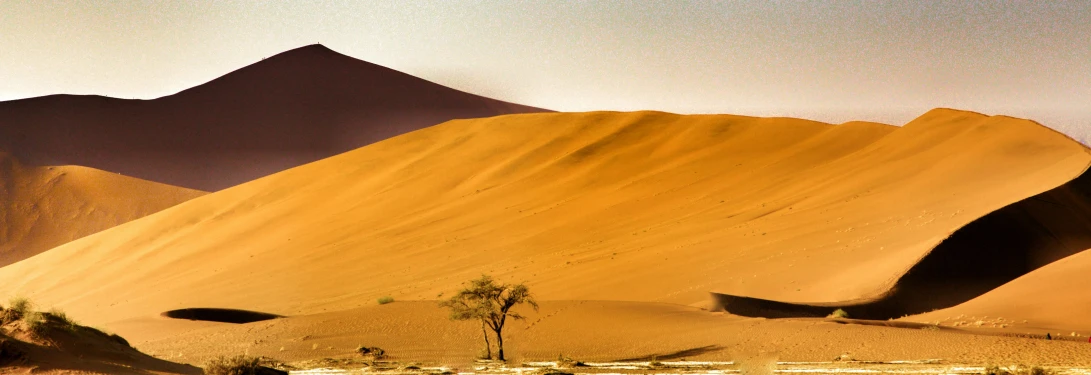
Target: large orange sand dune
(43,207)
(638,206)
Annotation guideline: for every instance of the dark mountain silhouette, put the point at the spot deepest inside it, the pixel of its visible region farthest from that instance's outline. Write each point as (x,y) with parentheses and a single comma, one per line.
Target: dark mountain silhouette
(290,109)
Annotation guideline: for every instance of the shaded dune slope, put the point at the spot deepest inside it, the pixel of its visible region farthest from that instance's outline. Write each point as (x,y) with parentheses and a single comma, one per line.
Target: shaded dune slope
(58,346)
(1051,297)
(43,207)
(290,109)
(985,254)
(641,206)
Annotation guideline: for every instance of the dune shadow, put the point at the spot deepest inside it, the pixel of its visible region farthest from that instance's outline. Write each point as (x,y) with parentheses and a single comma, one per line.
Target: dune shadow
(220,315)
(675,355)
(981,256)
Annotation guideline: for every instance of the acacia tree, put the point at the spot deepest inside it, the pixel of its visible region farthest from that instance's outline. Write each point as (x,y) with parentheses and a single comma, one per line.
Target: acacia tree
(491,303)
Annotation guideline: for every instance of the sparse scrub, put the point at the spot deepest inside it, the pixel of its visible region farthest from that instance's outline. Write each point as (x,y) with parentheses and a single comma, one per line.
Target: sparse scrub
(385,300)
(36,322)
(63,318)
(237,365)
(839,314)
(371,352)
(563,361)
(1016,370)
(18,308)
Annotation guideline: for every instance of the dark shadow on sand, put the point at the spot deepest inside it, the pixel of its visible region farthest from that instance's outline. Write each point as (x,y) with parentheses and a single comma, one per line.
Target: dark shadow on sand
(220,315)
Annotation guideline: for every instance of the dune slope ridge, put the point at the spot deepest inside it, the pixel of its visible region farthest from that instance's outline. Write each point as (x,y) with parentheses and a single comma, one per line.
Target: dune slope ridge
(43,207)
(290,109)
(989,252)
(637,206)
(1048,299)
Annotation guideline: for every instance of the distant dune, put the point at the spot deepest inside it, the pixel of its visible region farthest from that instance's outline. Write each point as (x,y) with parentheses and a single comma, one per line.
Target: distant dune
(642,206)
(43,207)
(290,109)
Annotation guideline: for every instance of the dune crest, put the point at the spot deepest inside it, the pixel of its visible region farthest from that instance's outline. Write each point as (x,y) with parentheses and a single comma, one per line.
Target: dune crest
(289,109)
(642,206)
(43,207)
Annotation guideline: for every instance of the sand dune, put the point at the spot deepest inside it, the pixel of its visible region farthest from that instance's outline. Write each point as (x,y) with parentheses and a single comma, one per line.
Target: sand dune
(43,207)
(290,109)
(59,346)
(638,206)
(989,252)
(1049,299)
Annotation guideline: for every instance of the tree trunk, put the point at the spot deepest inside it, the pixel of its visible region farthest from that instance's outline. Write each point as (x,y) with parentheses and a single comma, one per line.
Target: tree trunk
(499,346)
(488,348)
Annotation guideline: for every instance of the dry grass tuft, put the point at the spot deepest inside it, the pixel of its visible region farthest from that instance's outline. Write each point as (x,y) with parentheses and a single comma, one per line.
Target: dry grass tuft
(237,365)
(839,313)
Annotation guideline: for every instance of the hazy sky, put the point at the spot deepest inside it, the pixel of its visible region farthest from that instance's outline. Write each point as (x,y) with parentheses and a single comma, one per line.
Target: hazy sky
(828,60)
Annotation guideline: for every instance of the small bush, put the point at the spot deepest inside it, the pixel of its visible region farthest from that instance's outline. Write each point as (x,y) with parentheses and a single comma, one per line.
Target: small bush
(1016,370)
(1039,371)
(36,322)
(63,318)
(238,365)
(654,363)
(18,308)
(839,313)
(386,300)
(563,361)
(371,352)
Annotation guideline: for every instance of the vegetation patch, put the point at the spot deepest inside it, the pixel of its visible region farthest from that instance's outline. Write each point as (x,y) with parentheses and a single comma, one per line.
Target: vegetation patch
(1017,370)
(18,308)
(239,365)
(563,361)
(839,314)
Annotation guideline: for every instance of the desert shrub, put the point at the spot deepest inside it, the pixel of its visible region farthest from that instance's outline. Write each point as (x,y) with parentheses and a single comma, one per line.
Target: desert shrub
(839,313)
(66,322)
(997,370)
(1016,370)
(18,308)
(371,352)
(237,365)
(386,300)
(36,322)
(1039,371)
(568,362)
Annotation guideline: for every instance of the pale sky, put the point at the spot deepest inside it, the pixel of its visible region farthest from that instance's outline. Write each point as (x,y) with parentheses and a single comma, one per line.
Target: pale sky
(834,61)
